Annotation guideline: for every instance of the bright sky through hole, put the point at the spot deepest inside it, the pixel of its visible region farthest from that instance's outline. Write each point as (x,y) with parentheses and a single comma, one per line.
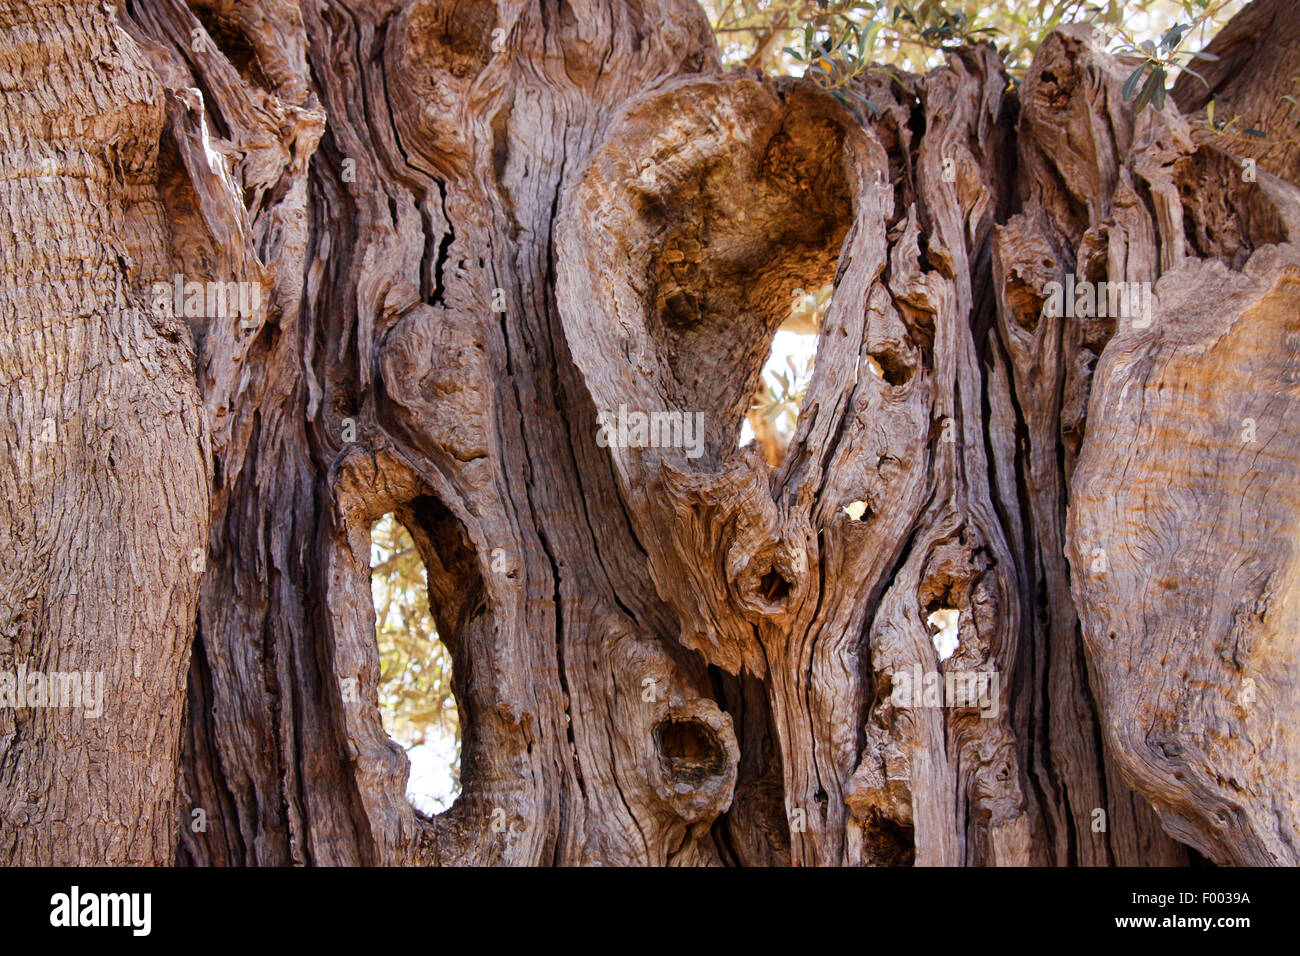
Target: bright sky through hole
(431,787)
(798,347)
(945,637)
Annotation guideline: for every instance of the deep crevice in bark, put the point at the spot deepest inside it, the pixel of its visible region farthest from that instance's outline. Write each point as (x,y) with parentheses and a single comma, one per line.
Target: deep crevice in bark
(667,658)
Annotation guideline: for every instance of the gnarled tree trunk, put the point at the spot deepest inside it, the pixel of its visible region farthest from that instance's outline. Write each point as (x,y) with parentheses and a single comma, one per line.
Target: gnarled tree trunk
(490,231)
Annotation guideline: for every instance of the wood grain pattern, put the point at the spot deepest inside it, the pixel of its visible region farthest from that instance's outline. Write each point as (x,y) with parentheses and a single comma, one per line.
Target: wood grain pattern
(489,232)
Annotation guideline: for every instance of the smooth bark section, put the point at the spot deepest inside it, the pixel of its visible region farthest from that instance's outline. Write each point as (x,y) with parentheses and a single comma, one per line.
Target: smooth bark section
(1190,625)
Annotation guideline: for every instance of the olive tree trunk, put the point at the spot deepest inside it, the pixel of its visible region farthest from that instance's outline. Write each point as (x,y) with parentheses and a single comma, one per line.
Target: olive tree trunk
(489,235)
(103,451)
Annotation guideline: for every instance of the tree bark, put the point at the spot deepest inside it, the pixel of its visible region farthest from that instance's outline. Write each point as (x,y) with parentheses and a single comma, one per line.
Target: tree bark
(487,231)
(103,464)
(1258,66)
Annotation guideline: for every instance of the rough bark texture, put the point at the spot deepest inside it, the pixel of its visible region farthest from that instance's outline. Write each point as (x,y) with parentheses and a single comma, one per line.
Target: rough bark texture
(103,461)
(1258,65)
(482,225)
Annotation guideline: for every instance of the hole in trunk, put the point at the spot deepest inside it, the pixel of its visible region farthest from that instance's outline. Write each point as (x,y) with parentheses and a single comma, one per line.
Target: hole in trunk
(734,237)
(890,365)
(688,750)
(775,588)
(888,842)
(1226,216)
(774,415)
(229,38)
(416,701)
(946,636)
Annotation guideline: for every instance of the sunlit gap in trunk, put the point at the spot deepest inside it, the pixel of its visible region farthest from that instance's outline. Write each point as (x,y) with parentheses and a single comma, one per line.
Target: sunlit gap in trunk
(774,415)
(946,634)
(415,696)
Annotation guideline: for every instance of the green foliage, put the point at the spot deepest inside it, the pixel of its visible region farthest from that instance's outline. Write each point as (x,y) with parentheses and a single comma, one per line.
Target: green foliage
(837,58)
(415,695)
(1148,83)
(1295,104)
(808,311)
(779,397)
(833,41)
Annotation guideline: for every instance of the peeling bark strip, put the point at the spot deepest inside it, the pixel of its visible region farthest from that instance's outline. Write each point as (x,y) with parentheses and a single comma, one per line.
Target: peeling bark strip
(521,265)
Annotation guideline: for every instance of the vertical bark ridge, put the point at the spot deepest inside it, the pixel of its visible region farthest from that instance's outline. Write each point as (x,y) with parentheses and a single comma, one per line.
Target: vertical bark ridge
(103,461)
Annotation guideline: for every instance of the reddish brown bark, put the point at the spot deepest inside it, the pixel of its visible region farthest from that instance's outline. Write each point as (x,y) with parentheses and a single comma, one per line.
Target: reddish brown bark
(487,231)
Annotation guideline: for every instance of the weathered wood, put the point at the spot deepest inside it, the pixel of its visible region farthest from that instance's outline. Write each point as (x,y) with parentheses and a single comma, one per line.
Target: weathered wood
(1189,617)
(1079,216)
(487,234)
(1258,66)
(103,459)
